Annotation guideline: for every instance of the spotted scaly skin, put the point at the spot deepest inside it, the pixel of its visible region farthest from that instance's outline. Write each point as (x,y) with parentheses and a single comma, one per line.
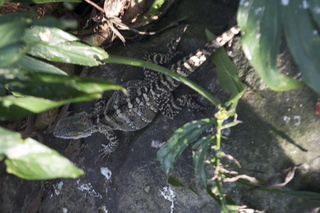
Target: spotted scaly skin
(145,98)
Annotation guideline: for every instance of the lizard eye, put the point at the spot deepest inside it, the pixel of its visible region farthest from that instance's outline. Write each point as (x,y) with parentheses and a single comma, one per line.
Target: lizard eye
(84,120)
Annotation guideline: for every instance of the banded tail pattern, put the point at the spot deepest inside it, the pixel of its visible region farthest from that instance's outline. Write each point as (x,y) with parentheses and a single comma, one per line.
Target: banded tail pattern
(189,64)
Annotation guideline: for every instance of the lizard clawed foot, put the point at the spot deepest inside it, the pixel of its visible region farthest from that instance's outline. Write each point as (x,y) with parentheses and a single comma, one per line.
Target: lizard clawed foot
(105,152)
(107,149)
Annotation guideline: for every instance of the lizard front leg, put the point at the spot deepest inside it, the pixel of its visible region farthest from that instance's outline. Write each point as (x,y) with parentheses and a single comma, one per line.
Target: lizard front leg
(111,146)
(99,106)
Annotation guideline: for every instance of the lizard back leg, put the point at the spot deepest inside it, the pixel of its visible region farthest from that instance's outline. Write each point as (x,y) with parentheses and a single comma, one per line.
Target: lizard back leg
(171,107)
(192,104)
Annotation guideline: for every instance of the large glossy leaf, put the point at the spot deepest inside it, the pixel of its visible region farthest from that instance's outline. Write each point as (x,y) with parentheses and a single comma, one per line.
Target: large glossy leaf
(51,36)
(49,21)
(313,8)
(42,85)
(74,53)
(12,28)
(32,64)
(15,18)
(12,107)
(12,17)
(52,86)
(19,34)
(57,45)
(301,21)
(12,32)
(181,138)
(260,23)
(32,160)
(11,53)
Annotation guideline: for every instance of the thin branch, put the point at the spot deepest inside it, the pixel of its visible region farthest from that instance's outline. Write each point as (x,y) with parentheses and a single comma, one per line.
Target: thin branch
(95,5)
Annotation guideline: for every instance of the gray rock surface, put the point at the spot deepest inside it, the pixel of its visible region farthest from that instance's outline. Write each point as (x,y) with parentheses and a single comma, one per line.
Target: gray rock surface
(278,130)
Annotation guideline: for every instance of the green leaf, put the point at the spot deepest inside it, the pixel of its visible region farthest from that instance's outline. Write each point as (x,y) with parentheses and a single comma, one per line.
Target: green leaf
(52,86)
(49,21)
(12,107)
(176,182)
(74,53)
(13,17)
(73,88)
(199,158)
(303,194)
(32,64)
(12,32)
(228,76)
(226,70)
(260,24)
(313,7)
(154,9)
(11,53)
(57,45)
(227,73)
(210,191)
(301,27)
(32,160)
(181,138)
(46,35)
(231,206)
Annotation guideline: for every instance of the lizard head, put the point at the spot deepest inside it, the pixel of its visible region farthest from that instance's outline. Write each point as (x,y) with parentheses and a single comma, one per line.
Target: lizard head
(77,126)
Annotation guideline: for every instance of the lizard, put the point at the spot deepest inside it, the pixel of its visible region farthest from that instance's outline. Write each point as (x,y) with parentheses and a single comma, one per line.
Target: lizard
(144,99)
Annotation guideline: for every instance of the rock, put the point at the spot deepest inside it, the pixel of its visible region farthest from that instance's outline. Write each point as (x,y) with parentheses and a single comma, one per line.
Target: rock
(279,130)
